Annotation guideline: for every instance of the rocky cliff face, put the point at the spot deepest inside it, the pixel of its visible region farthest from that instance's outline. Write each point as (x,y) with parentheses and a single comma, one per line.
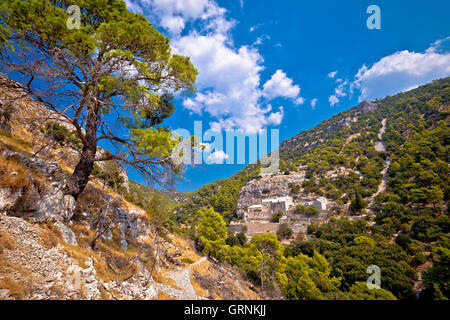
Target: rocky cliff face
(52,273)
(266,187)
(256,216)
(42,202)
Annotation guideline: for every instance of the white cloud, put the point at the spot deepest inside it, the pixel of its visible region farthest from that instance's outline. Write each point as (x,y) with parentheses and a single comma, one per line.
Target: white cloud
(241,3)
(333,100)
(253,28)
(275,118)
(133,6)
(332,74)
(401,71)
(228,84)
(279,85)
(228,80)
(217,157)
(261,39)
(299,101)
(341,89)
(314,103)
(174,24)
(174,14)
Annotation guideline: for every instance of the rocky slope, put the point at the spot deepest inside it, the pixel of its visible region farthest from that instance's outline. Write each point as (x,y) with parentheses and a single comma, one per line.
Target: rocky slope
(99,246)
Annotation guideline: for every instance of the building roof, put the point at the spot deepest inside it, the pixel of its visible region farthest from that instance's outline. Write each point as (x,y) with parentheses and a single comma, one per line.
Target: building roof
(280,199)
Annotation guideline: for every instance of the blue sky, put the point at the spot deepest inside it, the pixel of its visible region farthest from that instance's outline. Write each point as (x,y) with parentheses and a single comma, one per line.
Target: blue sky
(291,64)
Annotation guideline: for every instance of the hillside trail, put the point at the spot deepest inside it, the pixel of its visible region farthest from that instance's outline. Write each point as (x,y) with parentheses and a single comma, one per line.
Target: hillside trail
(419,285)
(381,147)
(182,278)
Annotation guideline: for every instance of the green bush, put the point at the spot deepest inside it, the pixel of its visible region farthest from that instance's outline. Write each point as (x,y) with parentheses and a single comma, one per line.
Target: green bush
(284,232)
(277,216)
(310,210)
(62,135)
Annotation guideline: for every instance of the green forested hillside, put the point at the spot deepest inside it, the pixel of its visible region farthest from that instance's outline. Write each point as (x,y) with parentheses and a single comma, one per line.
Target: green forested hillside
(422,112)
(410,221)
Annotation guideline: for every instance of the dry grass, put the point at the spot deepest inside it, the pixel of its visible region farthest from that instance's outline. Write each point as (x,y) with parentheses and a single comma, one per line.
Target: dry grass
(164,296)
(202,269)
(91,199)
(40,181)
(162,278)
(202,283)
(110,260)
(79,254)
(83,251)
(199,290)
(13,174)
(14,143)
(104,294)
(17,289)
(185,248)
(105,273)
(50,235)
(6,242)
(217,282)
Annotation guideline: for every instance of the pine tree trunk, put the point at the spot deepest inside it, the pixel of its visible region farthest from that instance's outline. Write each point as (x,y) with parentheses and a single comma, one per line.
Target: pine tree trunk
(80,177)
(262,272)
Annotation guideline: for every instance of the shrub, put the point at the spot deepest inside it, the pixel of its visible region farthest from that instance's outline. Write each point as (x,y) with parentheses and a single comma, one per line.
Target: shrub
(110,174)
(284,232)
(418,259)
(357,203)
(277,216)
(310,211)
(403,241)
(62,135)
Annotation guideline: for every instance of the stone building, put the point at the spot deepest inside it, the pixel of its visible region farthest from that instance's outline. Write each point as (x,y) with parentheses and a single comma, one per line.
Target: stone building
(278,204)
(267,208)
(320,203)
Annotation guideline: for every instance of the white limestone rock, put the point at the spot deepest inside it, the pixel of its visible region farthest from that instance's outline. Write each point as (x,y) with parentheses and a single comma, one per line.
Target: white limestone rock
(8,198)
(67,233)
(55,206)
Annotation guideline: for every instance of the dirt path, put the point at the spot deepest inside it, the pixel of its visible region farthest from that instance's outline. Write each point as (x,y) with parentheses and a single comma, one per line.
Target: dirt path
(419,285)
(182,277)
(383,183)
(381,147)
